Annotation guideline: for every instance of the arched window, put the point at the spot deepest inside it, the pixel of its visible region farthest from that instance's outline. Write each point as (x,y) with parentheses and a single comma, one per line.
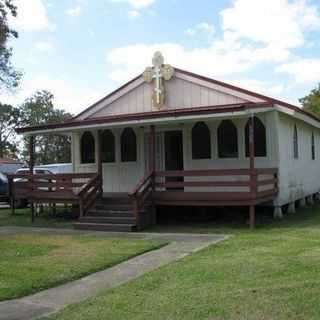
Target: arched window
(128,145)
(313,153)
(295,143)
(201,146)
(107,146)
(87,148)
(260,140)
(227,140)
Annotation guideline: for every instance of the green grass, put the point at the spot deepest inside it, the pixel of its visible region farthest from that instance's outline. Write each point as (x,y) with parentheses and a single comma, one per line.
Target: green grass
(22,218)
(270,273)
(32,262)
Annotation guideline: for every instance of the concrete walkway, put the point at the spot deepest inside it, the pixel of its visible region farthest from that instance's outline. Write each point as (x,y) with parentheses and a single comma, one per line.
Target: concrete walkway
(55,299)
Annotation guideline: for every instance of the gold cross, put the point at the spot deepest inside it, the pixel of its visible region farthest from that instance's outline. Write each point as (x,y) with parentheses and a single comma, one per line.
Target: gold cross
(158,72)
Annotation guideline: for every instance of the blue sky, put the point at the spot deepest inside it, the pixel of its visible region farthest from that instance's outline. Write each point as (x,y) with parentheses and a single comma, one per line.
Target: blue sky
(80,50)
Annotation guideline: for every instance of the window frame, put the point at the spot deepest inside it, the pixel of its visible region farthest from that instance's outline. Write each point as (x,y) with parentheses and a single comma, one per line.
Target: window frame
(102,141)
(208,152)
(220,143)
(247,138)
(124,160)
(295,143)
(93,147)
(313,149)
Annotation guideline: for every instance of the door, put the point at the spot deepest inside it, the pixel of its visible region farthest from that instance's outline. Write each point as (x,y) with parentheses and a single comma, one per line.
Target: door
(173,145)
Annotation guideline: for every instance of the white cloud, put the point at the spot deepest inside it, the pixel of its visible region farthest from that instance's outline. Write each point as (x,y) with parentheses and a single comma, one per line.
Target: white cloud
(202,27)
(68,97)
(262,87)
(277,23)
(137,3)
(133,14)
(74,12)
(32,16)
(303,70)
(44,46)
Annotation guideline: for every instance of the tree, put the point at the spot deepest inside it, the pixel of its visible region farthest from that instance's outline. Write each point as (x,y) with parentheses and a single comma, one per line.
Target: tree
(37,110)
(9,120)
(9,77)
(311,102)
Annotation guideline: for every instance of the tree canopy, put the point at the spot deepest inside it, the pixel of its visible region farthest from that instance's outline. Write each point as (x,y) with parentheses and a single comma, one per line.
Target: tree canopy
(39,109)
(311,102)
(9,77)
(10,117)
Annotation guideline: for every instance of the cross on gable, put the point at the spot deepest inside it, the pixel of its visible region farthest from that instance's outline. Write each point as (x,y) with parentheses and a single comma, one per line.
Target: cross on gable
(157,73)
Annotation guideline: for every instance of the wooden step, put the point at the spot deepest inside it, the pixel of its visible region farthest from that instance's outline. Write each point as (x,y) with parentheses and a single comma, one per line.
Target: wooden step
(108,220)
(105,227)
(110,213)
(114,206)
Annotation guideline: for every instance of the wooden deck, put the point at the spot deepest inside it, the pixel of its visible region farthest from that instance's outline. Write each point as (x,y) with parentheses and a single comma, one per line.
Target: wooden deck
(234,187)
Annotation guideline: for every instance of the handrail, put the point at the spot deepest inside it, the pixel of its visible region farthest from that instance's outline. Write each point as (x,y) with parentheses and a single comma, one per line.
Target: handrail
(141,193)
(89,193)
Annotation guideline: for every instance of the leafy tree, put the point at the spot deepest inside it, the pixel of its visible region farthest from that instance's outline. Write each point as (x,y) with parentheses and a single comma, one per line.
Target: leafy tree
(311,102)
(37,110)
(9,77)
(9,120)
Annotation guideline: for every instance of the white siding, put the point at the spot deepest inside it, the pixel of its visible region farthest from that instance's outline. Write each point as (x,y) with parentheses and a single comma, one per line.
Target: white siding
(118,176)
(297,177)
(179,94)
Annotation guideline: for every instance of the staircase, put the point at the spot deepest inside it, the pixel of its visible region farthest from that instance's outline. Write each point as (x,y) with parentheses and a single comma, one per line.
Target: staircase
(112,213)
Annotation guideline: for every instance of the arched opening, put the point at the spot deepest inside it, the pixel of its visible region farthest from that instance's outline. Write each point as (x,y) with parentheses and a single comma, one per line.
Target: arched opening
(128,145)
(201,145)
(260,140)
(87,148)
(108,146)
(295,143)
(227,140)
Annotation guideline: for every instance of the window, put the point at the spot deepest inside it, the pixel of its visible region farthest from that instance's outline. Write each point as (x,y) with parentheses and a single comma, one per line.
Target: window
(260,141)
(201,145)
(87,148)
(313,155)
(295,143)
(128,145)
(227,140)
(107,146)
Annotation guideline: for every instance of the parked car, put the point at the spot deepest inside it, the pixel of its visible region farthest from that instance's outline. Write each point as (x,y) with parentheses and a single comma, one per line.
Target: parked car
(22,203)
(3,188)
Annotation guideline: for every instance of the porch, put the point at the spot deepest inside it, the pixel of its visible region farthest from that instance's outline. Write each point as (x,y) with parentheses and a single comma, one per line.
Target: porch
(175,182)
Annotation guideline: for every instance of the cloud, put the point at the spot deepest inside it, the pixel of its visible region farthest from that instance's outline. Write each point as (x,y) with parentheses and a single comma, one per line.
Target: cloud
(44,46)
(303,70)
(202,27)
(138,4)
(67,96)
(222,58)
(32,16)
(277,23)
(74,12)
(133,14)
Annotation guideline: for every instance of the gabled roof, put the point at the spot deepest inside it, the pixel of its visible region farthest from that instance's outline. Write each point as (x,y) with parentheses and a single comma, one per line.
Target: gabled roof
(260,100)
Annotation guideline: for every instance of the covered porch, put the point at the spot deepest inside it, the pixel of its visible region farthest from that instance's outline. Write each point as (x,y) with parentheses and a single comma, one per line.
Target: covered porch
(153,157)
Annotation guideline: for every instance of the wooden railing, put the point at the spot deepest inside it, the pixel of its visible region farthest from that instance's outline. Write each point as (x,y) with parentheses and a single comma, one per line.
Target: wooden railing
(79,188)
(142,193)
(231,184)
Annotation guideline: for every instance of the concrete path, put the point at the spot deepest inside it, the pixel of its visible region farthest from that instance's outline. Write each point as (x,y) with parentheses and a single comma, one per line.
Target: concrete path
(55,299)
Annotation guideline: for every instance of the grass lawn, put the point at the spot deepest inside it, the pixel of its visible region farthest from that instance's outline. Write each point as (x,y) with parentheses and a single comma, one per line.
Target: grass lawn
(22,218)
(32,262)
(270,273)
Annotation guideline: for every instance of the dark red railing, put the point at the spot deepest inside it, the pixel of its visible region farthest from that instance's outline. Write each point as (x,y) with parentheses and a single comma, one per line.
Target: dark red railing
(80,188)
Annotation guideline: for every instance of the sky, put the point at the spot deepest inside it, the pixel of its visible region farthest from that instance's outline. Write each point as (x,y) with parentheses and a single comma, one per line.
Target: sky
(81,50)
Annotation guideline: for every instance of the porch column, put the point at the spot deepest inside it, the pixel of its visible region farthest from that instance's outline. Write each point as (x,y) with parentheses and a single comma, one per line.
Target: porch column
(31,166)
(253,175)
(99,158)
(152,167)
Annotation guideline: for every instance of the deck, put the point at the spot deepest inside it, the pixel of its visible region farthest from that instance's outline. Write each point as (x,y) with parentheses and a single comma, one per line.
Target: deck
(234,187)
